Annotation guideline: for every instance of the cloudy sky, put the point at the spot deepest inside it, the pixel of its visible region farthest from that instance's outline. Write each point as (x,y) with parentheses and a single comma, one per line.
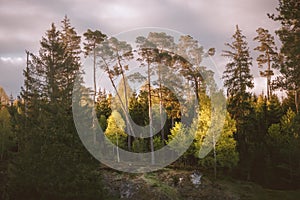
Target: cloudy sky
(212,23)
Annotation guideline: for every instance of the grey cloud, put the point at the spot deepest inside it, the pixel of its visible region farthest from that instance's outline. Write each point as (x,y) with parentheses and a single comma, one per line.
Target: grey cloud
(11,76)
(24,22)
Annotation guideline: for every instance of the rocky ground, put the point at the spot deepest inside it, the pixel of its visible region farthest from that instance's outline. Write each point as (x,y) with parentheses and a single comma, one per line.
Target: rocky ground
(163,185)
(170,184)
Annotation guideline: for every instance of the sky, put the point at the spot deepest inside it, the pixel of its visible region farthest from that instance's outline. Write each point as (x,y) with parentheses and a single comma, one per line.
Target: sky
(212,23)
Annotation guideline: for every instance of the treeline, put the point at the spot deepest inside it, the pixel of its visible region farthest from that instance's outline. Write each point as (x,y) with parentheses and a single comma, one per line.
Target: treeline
(259,140)
(42,156)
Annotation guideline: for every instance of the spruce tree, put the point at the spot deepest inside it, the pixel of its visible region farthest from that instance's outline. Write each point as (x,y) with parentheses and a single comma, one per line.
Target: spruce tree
(52,162)
(238,80)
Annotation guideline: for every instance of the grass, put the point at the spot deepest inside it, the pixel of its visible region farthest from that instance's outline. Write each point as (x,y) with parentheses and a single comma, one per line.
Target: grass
(167,190)
(249,191)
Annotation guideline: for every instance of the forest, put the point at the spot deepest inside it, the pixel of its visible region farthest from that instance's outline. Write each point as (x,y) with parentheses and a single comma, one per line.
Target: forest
(170,101)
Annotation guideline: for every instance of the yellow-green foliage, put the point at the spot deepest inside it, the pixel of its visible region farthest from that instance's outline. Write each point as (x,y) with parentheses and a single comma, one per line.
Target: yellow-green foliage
(5,132)
(116,129)
(204,122)
(210,129)
(178,138)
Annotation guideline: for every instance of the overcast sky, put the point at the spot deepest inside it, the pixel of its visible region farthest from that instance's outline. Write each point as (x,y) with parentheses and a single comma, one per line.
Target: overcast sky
(212,23)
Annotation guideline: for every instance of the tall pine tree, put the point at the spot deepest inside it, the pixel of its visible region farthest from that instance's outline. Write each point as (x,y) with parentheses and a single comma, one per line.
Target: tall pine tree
(289,34)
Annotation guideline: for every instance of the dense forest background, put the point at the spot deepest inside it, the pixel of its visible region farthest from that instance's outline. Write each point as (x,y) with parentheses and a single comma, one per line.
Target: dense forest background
(42,156)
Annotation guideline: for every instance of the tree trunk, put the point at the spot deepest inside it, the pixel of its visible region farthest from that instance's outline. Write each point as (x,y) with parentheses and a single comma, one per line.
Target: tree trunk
(268,77)
(172,122)
(2,143)
(160,109)
(123,107)
(296,101)
(126,107)
(215,156)
(94,95)
(150,117)
(118,155)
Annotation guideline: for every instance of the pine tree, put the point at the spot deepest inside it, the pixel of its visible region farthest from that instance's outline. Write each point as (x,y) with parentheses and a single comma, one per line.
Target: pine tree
(93,39)
(114,55)
(268,56)
(165,45)
(148,56)
(190,57)
(289,34)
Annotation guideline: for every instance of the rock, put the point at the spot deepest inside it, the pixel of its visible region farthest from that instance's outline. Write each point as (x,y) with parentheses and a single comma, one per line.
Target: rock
(196,179)
(128,189)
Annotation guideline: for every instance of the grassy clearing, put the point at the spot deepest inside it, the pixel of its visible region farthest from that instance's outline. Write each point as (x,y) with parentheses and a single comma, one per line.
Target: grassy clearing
(249,191)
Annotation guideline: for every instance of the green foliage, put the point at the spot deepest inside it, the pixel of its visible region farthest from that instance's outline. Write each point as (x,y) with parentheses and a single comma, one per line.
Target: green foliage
(140,145)
(287,120)
(4,99)
(203,124)
(289,101)
(268,55)
(103,104)
(189,49)
(178,137)
(237,77)
(238,80)
(157,142)
(227,155)
(93,38)
(103,108)
(266,47)
(275,137)
(283,141)
(138,108)
(103,122)
(52,163)
(289,17)
(275,110)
